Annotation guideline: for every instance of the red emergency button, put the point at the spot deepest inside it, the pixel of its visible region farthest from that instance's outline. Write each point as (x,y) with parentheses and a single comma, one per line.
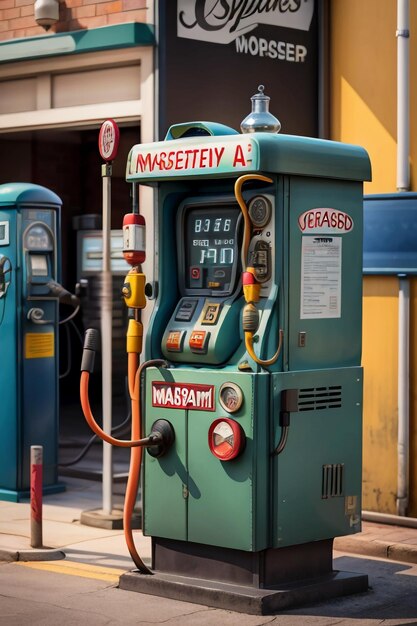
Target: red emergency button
(226,438)
(198,340)
(174,341)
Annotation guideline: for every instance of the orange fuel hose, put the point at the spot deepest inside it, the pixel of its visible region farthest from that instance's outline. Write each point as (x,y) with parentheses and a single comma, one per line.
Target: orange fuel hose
(132,366)
(135,459)
(136,444)
(85,404)
(134,373)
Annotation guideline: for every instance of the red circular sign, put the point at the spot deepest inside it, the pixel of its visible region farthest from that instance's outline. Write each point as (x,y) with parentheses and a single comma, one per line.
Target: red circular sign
(108,140)
(226,438)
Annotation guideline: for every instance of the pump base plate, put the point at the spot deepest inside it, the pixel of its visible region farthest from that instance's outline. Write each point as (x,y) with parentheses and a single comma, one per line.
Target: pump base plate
(245,599)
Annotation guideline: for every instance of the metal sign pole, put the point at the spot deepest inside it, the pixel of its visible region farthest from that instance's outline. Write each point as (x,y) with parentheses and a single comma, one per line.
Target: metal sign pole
(108,143)
(106,341)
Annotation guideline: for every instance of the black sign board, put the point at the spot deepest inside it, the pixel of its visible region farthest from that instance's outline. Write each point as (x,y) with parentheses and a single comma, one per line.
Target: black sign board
(213,54)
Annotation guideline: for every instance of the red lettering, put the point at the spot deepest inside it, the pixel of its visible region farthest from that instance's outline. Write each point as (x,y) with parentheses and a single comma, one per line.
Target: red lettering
(326,220)
(187,154)
(178,160)
(302,222)
(143,163)
(317,220)
(162,157)
(310,220)
(170,163)
(218,153)
(155,162)
(203,157)
(239,157)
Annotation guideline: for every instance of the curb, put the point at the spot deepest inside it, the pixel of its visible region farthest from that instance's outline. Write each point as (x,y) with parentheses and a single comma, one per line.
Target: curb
(382,549)
(43,554)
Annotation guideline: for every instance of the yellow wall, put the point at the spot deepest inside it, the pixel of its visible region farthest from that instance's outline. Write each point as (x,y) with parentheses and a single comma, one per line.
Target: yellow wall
(363,83)
(380,362)
(363,99)
(380,359)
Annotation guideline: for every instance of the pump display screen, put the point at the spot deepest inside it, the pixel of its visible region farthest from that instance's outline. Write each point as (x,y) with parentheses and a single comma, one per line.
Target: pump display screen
(212,251)
(39,265)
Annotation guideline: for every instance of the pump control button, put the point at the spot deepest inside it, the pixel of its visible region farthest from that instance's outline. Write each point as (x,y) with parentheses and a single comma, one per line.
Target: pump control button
(211,313)
(185,310)
(175,340)
(198,340)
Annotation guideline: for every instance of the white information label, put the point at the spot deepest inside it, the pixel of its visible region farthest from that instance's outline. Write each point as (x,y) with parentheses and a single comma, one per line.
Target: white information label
(321,277)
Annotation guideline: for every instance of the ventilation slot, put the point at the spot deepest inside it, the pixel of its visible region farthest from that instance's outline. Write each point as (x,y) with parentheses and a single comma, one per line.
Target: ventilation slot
(332,482)
(320,398)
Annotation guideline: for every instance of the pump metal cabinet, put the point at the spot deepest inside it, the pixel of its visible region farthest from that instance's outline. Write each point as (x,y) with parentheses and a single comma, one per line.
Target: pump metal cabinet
(29,239)
(250,519)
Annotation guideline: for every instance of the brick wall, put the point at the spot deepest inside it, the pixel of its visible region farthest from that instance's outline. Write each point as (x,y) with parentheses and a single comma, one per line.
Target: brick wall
(17,16)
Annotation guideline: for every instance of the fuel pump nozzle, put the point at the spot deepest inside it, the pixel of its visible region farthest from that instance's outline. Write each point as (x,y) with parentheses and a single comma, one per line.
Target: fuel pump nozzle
(5,268)
(65,297)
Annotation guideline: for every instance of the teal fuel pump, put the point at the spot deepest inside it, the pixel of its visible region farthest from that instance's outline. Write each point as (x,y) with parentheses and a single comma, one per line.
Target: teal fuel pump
(254,346)
(29,292)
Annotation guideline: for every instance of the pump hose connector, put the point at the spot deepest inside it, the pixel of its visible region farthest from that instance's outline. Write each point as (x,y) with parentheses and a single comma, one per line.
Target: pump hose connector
(250,318)
(91,344)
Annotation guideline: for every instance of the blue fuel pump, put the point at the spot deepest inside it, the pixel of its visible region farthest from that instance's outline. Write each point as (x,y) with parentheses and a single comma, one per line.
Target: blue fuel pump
(29,295)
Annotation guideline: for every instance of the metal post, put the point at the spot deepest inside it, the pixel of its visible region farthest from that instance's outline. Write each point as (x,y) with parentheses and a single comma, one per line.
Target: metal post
(403,395)
(106,341)
(403,95)
(36,465)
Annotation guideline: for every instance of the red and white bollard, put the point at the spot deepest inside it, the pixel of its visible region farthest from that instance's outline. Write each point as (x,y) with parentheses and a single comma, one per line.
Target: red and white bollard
(36,467)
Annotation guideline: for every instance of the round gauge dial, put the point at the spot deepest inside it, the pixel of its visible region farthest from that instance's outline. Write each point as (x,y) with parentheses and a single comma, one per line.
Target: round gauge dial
(260,211)
(38,237)
(231,397)
(226,439)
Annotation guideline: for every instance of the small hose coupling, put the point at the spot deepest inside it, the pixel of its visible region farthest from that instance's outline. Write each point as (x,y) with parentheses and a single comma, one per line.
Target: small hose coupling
(251,287)
(133,290)
(250,318)
(134,336)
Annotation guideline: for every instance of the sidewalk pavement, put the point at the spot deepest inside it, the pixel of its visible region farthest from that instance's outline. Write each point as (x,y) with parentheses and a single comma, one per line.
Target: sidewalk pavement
(64,536)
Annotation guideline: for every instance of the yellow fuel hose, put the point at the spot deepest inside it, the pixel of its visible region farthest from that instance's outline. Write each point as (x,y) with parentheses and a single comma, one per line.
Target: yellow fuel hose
(245,248)
(251,351)
(246,219)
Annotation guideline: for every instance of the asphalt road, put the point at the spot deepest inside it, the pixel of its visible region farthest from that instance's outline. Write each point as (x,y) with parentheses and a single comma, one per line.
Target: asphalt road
(67,593)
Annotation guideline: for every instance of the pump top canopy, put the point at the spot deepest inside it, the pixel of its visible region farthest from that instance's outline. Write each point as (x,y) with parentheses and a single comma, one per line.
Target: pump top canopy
(206,149)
